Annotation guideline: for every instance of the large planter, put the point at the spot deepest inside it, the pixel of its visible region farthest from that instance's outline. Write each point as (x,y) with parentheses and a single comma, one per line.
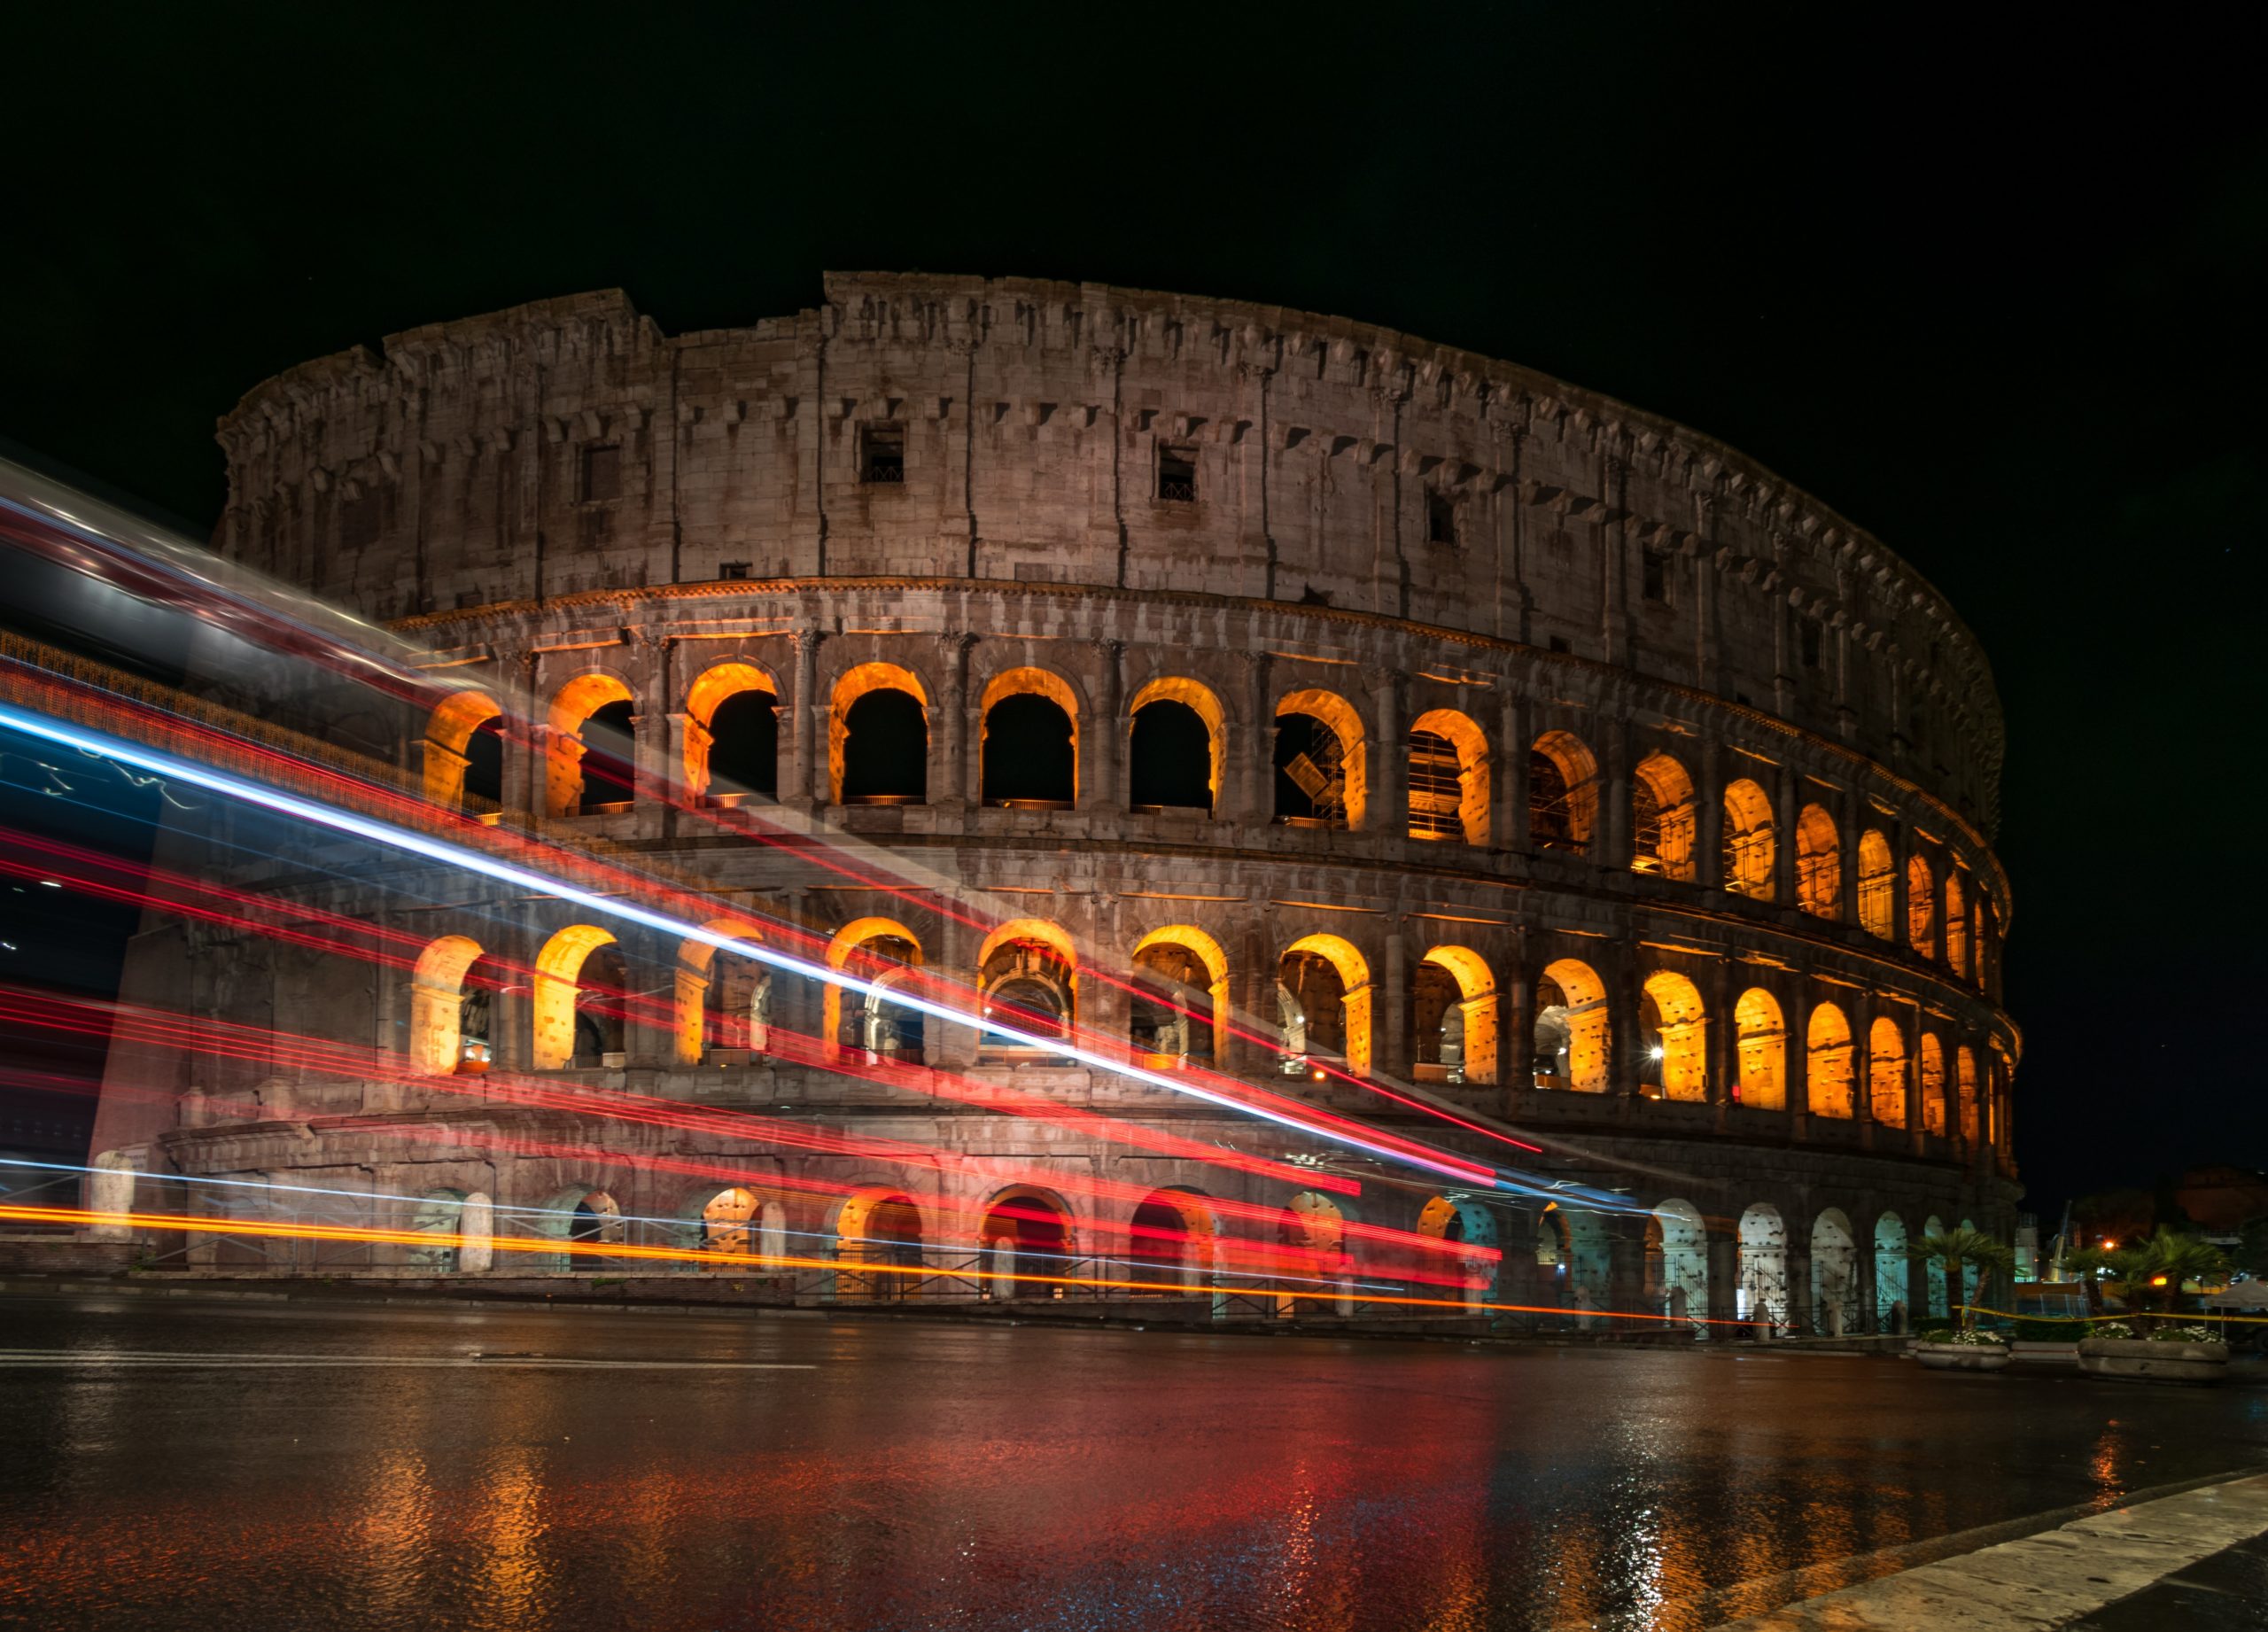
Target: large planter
(2140,1359)
(1963,1357)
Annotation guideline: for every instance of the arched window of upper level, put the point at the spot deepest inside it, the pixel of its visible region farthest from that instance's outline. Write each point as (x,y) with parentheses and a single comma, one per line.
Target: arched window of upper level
(1453,1016)
(724,999)
(1763,1038)
(1877,886)
(1178,750)
(731,740)
(1673,1035)
(1964,1059)
(1319,761)
(878,737)
(1449,777)
(1886,1072)
(1829,1068)
(590,766)
(1819,864)
(1750,845)
(1027,978)
(1921,905)
(1933,1083)
(1030,758)
(1181,996)
(580,998)
(1662,819)
(451,1004)
(1571,1027)
(1323,996)
(1562,793)
(465,753)
(883,951)
(1956,926)
(1986,949)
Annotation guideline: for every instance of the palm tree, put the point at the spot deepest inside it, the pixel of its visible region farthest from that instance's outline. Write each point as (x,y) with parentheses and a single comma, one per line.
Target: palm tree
(2084,1265)
(1957,1249)
(2156,1270)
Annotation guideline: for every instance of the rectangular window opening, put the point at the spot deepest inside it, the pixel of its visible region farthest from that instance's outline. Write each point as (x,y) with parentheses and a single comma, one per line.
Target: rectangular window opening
(1810,644)
(1440,518)
(1178,475)
(881,456)
(1654,569)
(732,572)
(601,473)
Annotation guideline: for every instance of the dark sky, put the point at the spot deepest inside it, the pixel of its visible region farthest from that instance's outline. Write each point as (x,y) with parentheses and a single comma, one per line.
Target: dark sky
(1992,290)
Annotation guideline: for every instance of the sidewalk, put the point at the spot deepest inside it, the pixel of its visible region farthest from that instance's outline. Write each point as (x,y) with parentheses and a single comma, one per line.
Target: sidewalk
(2196,1560)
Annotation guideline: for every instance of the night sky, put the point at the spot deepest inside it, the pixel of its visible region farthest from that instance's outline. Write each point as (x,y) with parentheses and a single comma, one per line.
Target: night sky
(1997,297)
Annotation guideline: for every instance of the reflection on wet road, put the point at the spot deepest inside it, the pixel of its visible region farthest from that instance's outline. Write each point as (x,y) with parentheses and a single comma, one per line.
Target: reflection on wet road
(277,1466)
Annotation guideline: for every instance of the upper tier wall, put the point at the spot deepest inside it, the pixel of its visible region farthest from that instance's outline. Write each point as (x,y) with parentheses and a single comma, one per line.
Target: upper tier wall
(1333,461)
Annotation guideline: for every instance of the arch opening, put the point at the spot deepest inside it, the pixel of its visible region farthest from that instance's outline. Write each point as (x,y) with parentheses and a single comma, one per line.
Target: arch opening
(878,736)
(578,1002)
(1763,1045)
(1663,817)
(885,952)
(1819,864)
(1562,793)
(1027,1243)
(1028,979)
(1677,1263)
(1828,1064)
(1028,758)
(1170,1243)
(878,1238)
(1750,844)
(1886,1072)
(439,1213)
(1571,1027)
(1454,1017)
(1173,759)
(1673,1035)
(590,765)
(1461,1219)
(1449,777)
(1323,996)
(1319,761)
(1921,905)
(465,753)
(732,737)
(1180,997)
(1894,1310)
(1762,1295)
(1877,885)
(1957,935)
(1833,1274)
(1933,1084)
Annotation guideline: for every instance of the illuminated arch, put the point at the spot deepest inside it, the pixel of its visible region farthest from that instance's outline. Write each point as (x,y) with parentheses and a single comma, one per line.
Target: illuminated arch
(1314,1233)
(726,1221)
(1957,936)
(1933,1084)
(1208,951)
(1877,885)
(1677,1263)
(448,744)
(437,1003)
(1354,974)
(842,948)
(1678,1055)
(1828,1065)
(1964,1059)
(860,680)
(1449,777)
(1763,1042)
(1200,701)
(584,1215)
(1562,792)
(1339,717)
(1026,1237)
(1475,1006)
(1029,966)
(1921,905)
(1886,1072)
(1834,1273)
(1571,1026)
(1170,1242)
(1046,687)
(1939,1303)
(1749,843)
(879,1229)
(571,708)
(1444,1218)
(1762,1294)
(1893,1272)
(716,685)
(558,968)
(696,968)
(1819,864)
(1662,818)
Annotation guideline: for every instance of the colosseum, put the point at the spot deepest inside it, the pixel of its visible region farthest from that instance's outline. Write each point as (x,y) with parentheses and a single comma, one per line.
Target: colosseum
(1291,704)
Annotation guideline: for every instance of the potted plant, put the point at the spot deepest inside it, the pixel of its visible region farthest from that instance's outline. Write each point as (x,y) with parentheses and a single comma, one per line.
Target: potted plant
(1962,1347)
(2154,1344)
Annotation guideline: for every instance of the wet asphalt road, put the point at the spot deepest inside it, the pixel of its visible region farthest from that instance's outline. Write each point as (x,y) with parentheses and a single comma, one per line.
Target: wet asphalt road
(249,1467)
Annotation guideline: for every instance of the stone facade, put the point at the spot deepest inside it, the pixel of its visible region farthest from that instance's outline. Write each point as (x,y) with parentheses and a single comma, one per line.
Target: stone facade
(1640,805)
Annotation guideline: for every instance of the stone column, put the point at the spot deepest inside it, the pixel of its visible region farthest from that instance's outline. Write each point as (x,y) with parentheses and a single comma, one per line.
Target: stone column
(1508,823)
(477,1225)
(1801,1316)
(110,1189)
(1788,805)
(1104,740)
(1796,1055)
(806,716)
(956,751)
(1723,1249)
(1896,833)
(1252,954)
(1850,823)
(1860,1007)
(1709,818)
(1255,754)
(1723,1038)
(1390,1050)
(1611,850)
(1516,1021)
(1624,990)
(1388,801)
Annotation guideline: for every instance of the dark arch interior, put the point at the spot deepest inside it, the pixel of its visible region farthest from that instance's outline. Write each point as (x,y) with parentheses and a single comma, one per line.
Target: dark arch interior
(1039,1241)
(1433,997)
(1159,1239)
(1172,759)
(886,751)
(1551,821)
(1309,781)
(1171,1012)
(744,744)
(598,1007)
(1029,758)
(484,763)
(610,753)
(1309,982)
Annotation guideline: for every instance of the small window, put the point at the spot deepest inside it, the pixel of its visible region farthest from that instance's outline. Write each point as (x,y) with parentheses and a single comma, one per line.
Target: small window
(881,454)
(601,473)
(1559,643)
(1178,475)
(1440,518)
(1654,568)
(1810,638)
(732,572)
